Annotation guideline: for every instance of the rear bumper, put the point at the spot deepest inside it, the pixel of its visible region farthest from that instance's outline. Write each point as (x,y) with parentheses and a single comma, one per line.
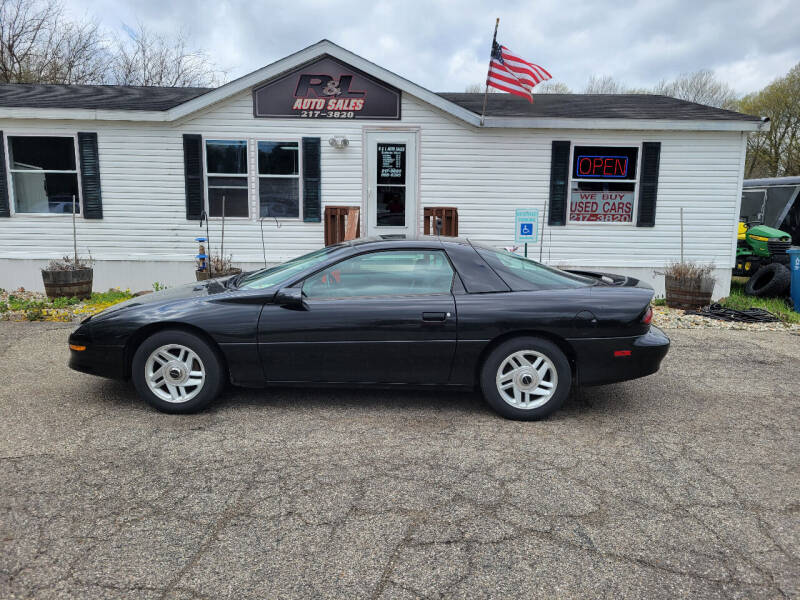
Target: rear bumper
(610,360)
(103,361)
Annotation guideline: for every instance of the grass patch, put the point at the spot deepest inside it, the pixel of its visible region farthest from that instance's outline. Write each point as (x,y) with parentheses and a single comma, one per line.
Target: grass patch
(37,307)
(738,300)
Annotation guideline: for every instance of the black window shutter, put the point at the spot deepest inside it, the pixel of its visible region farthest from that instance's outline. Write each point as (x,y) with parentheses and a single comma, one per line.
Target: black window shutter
(648,184)
(5,210)
(90,175)
(312,197)
(193,174)
(559,175)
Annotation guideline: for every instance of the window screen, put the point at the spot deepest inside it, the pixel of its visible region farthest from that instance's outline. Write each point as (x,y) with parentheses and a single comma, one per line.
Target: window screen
(44,174)
(279,179)
(226,170)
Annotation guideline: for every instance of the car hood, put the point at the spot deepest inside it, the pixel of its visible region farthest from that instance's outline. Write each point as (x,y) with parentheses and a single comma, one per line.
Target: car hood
(182,292)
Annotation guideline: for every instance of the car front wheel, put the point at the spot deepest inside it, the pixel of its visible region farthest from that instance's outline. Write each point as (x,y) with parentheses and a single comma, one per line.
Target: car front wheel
(177,372)
(526,378)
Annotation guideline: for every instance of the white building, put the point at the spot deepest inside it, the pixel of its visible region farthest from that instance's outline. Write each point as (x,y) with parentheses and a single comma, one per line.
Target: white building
(324,127)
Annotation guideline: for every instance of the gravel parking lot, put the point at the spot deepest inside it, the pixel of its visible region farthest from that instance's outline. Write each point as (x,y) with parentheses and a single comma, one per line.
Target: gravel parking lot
(682,484)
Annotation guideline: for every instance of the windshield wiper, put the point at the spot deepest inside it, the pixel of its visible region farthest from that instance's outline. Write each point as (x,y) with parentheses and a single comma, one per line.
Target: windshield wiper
(233,282)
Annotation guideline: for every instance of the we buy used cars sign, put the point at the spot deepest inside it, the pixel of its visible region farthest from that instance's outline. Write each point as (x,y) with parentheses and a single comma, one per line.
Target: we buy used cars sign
(601,206)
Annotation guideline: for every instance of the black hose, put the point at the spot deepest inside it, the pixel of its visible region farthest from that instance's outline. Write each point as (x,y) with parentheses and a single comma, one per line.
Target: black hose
(749,315)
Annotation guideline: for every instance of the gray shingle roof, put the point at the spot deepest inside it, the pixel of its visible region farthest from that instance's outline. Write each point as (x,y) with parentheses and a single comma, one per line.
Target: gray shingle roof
(594,106)
(38,95)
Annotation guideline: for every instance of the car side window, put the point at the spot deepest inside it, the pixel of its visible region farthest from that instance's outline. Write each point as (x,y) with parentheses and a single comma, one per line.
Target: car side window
(386,273)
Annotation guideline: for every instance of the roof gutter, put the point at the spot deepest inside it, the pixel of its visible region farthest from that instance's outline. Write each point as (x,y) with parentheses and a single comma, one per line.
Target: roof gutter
(625,124)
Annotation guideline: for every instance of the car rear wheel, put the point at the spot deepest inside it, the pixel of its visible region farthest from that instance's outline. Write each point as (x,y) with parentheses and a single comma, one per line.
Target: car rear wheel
(177,372)
(526,378)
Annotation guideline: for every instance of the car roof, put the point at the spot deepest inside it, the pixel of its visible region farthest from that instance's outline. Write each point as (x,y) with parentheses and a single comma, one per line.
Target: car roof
(399,241)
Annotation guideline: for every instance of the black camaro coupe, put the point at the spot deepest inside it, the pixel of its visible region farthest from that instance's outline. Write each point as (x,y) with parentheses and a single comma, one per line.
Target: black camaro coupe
(385,312)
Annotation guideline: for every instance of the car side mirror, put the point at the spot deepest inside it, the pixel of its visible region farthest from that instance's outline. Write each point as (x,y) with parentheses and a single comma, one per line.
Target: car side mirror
(290,298)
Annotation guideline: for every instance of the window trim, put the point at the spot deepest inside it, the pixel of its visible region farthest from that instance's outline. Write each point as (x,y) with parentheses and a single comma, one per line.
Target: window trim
(635,209)
(301,282)
(299,176)
(12,201)
(206,175)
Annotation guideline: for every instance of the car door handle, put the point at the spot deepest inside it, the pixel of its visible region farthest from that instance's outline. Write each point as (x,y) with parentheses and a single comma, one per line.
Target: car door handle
(435,316)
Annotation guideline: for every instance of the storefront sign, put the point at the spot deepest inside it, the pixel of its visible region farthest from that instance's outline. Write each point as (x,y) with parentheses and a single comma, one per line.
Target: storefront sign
(604,162)
(326,89)
(601,206)
(391,163)
(527,225)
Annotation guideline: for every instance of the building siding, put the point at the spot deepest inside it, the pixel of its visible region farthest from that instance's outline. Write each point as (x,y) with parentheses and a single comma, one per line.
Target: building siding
(486,173)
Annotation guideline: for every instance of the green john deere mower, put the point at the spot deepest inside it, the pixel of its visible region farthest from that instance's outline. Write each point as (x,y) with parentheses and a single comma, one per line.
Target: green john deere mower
(761,256)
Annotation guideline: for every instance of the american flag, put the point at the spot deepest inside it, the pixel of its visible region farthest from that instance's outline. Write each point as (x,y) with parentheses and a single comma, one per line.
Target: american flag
(510,73)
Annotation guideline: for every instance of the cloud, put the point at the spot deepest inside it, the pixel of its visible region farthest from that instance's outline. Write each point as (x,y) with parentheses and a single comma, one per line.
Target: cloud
(444,45)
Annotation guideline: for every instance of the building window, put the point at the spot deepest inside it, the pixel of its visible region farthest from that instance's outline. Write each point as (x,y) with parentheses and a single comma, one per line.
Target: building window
(603,184)
(279,179)
(226,176)
(44,174)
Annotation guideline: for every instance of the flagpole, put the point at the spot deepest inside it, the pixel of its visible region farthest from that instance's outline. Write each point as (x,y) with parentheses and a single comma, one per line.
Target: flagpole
(486,93)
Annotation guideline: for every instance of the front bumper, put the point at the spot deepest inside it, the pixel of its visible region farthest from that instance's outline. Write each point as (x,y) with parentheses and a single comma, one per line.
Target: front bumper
(103,361)
(610,360)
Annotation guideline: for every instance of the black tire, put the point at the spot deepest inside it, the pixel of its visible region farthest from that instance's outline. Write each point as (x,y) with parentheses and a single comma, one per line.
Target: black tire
(770,280)
(212,364)
(496,358)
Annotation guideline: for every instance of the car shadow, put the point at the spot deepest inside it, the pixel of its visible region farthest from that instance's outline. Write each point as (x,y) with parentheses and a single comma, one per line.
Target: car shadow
(580,402)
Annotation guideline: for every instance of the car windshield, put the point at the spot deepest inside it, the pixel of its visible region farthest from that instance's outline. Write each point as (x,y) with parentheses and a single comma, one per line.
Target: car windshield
(523,274)
(265,278)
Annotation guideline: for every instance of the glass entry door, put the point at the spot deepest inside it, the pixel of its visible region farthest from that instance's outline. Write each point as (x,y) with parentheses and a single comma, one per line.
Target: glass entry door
(391,182)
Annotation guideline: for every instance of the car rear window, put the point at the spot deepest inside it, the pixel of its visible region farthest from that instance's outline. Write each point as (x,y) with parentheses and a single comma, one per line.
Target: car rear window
(523,274)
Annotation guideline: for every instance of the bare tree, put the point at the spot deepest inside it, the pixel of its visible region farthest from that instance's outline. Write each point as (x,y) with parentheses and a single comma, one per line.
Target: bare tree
(37,44)
(604,84)
(702,87)
(552,87)
(148,58)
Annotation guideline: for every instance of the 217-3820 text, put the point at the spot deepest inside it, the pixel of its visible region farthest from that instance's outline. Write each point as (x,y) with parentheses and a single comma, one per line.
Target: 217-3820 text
(326,114)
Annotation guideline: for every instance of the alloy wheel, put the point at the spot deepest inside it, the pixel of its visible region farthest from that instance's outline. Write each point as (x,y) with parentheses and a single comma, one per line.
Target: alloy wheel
(526,379)
(174,373)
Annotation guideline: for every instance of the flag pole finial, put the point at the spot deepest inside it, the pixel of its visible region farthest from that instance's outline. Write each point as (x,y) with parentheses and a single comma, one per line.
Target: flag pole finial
(486,93)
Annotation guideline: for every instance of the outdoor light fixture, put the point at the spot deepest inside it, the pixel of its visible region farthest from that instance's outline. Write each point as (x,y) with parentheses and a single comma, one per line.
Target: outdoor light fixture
(339,142)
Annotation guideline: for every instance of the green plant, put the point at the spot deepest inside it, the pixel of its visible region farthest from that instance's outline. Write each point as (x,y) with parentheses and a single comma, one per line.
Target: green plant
(34,314)
(111,296)
(780,307)
(64,302)
(158,286)
(659,302)
(3,307)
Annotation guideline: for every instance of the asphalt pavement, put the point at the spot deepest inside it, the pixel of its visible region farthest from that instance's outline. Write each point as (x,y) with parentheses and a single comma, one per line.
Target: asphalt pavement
(682,484)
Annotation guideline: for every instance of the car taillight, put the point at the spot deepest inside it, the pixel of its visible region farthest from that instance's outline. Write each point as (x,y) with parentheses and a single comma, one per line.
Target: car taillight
(648,316)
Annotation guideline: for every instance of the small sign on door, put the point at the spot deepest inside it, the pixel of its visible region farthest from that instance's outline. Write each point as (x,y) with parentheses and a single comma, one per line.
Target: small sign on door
(527,225)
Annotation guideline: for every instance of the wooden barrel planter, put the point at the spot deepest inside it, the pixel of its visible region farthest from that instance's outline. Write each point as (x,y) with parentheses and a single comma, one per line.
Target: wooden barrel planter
(67,284)
(205,274)
(688,294)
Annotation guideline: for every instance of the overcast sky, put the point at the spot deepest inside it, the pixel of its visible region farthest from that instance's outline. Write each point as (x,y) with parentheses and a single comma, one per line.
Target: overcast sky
(444,45)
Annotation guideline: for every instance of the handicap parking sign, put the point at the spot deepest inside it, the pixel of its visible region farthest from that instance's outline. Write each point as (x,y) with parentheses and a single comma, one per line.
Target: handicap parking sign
(527,225)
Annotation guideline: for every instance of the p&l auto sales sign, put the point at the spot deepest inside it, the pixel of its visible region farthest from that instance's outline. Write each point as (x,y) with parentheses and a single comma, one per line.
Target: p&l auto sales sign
(326,89)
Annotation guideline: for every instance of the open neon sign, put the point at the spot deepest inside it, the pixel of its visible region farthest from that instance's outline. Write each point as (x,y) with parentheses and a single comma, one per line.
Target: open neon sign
(601,167)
